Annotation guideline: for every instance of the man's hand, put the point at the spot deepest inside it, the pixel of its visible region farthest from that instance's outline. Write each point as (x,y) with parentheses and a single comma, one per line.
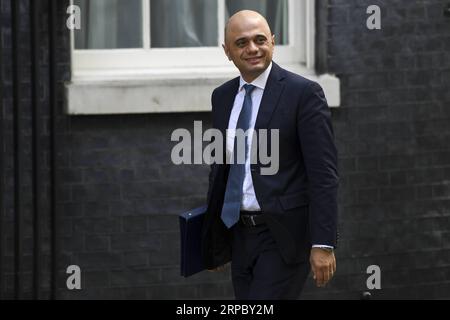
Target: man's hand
(219,269)
(323,265)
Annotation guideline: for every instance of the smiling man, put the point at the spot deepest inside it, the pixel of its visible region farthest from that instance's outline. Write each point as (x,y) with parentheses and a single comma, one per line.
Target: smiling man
(249,43)
(276,228)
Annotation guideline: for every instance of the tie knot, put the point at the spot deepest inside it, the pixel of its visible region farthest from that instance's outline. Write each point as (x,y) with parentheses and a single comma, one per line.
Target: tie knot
(249,88)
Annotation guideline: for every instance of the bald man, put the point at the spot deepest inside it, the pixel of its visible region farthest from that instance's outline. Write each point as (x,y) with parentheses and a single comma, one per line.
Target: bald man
(273,228)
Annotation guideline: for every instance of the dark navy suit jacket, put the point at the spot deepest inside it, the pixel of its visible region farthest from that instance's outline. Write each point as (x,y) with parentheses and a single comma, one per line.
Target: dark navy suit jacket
(300,201)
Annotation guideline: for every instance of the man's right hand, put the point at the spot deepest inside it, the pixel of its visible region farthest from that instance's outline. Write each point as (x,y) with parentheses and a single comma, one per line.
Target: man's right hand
(323,265)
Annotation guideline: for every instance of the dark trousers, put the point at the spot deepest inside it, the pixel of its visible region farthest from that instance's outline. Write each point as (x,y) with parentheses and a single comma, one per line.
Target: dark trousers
(258,270)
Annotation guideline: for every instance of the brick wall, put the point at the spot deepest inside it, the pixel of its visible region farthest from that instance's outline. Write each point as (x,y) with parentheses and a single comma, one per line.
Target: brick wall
(119,195)
(393,137)
(25,267)
(120,209)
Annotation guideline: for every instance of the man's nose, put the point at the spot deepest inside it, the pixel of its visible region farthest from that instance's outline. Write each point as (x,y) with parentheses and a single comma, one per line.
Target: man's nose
(252,47)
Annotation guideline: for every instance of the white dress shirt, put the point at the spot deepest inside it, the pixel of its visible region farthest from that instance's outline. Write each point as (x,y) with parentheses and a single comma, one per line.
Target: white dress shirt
(249,201)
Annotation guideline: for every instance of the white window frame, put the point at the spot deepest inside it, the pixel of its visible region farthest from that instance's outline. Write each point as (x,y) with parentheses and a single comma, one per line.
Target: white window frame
(118,81)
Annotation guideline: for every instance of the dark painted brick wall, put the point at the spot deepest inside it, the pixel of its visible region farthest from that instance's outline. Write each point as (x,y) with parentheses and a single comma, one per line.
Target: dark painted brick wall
(9,246)
(120,209)
(393,137)
(119,194)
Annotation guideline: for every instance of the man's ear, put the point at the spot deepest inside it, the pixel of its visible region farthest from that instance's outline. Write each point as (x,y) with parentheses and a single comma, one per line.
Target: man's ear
(227,52)
(273,40)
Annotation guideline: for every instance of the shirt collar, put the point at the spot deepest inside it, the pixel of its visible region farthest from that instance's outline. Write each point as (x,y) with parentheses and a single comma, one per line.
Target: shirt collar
(259,82)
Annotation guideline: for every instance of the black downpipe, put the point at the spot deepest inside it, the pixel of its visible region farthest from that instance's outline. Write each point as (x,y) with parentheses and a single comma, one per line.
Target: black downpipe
(53,144)
(2,178)
(36,145)
(17,129)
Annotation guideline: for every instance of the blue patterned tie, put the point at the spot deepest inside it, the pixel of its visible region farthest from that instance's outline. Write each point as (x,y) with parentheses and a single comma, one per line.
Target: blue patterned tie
(233,194)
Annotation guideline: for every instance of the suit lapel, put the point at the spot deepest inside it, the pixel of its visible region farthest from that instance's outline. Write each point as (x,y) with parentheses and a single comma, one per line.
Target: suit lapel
(272,93)
(227,106)
(269,102)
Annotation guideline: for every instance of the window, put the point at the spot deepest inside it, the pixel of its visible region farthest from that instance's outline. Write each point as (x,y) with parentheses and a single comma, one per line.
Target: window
(149,34)
(130,55)
(119,24)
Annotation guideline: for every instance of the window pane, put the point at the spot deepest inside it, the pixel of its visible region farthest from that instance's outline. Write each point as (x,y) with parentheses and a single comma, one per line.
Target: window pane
(276,12)
(183,23)
(109,24)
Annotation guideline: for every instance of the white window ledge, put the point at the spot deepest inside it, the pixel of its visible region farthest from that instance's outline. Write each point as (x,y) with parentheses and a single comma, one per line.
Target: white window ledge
(165,91)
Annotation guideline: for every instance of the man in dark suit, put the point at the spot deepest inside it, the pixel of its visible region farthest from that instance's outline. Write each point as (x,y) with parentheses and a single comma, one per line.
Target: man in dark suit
(273,228)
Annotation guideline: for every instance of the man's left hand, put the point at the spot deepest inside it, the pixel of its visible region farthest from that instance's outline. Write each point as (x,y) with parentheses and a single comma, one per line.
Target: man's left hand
(323,265)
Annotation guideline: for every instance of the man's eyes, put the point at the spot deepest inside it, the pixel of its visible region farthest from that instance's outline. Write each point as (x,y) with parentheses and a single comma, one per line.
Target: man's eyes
(242,44)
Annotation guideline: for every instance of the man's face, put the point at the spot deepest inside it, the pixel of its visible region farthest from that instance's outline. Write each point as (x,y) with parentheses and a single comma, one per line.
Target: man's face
(250,45)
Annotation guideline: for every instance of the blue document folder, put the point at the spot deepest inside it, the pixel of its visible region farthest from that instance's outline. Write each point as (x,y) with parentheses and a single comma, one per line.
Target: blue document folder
(191,223)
